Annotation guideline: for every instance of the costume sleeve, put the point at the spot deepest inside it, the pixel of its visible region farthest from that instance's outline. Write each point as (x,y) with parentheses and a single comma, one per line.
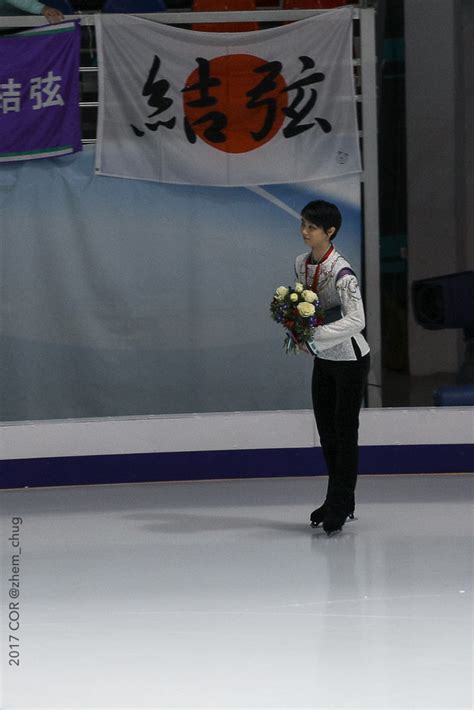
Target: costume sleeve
(299,267)
(27,6)
(352,321)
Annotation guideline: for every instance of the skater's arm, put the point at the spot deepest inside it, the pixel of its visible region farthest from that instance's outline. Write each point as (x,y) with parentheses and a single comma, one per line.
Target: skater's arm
(352,321)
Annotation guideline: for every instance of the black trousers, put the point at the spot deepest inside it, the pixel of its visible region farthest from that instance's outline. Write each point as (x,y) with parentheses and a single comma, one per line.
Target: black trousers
(338,390)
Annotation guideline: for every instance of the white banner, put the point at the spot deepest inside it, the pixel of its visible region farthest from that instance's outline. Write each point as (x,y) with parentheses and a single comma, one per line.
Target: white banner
(230,109)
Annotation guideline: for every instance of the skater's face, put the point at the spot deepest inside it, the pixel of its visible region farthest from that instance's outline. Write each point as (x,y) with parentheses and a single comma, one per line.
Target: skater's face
(316,237)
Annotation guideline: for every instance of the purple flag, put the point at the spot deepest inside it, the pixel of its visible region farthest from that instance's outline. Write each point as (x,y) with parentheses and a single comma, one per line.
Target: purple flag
(39,93)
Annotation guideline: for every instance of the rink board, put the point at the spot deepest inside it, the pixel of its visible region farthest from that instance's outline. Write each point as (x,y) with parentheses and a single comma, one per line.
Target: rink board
(228,445)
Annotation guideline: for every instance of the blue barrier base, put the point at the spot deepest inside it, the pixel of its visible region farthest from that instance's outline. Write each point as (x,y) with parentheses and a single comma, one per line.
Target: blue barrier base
(454,396)
(208,465)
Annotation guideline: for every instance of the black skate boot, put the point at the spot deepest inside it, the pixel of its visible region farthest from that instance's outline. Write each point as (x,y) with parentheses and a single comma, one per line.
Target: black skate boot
(317,516)
(335,518)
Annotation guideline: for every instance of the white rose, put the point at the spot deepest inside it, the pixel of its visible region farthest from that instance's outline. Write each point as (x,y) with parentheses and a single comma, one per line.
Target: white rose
(298,287)
(306,309)
(309,296)
(281,292)
(294,297)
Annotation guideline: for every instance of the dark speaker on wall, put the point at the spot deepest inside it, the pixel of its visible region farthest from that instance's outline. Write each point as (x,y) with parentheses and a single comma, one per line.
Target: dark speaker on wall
(444,301)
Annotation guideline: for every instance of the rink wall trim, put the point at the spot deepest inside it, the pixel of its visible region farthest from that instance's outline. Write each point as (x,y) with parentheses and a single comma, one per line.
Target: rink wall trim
(214,465)
(230,445)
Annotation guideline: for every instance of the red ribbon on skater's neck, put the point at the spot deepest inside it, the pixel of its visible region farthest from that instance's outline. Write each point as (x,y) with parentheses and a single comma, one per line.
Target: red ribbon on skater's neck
(314,285)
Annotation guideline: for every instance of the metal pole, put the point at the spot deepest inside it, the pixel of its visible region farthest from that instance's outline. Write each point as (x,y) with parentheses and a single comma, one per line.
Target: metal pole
(371,201)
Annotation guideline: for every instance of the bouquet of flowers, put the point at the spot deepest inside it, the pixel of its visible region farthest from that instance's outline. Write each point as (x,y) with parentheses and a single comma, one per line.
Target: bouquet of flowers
(299,311)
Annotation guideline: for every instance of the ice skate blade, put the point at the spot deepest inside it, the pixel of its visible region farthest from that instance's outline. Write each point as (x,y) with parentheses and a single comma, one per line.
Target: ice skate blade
(349,519)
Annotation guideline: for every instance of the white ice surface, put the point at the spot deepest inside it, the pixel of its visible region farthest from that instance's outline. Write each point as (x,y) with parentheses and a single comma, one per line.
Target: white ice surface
(219,595)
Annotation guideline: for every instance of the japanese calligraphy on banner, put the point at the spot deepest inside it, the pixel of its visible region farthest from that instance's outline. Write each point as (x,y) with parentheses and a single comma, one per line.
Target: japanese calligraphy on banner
(272,106)
(39,93)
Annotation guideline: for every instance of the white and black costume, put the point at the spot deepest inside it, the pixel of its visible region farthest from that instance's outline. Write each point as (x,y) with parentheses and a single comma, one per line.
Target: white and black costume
(341,366)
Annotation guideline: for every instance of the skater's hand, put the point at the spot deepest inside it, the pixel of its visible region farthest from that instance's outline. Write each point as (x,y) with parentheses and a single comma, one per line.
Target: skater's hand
(301,344)
(303,347)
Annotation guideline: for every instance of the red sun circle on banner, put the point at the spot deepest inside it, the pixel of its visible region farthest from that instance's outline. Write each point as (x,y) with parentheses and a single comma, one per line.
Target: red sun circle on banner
(220,90)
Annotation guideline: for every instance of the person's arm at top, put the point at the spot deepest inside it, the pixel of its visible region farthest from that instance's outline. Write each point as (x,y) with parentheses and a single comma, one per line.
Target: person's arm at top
(38,8)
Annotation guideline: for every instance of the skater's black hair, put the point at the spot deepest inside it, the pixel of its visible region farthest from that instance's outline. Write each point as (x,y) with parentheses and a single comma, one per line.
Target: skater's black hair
(322,214)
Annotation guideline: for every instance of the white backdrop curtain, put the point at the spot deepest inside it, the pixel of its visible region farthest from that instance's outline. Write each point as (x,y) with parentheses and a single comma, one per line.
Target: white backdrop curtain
(123,297)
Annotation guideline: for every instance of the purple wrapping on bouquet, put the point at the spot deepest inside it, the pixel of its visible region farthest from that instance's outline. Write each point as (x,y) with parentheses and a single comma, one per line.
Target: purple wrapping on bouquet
(39,93)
